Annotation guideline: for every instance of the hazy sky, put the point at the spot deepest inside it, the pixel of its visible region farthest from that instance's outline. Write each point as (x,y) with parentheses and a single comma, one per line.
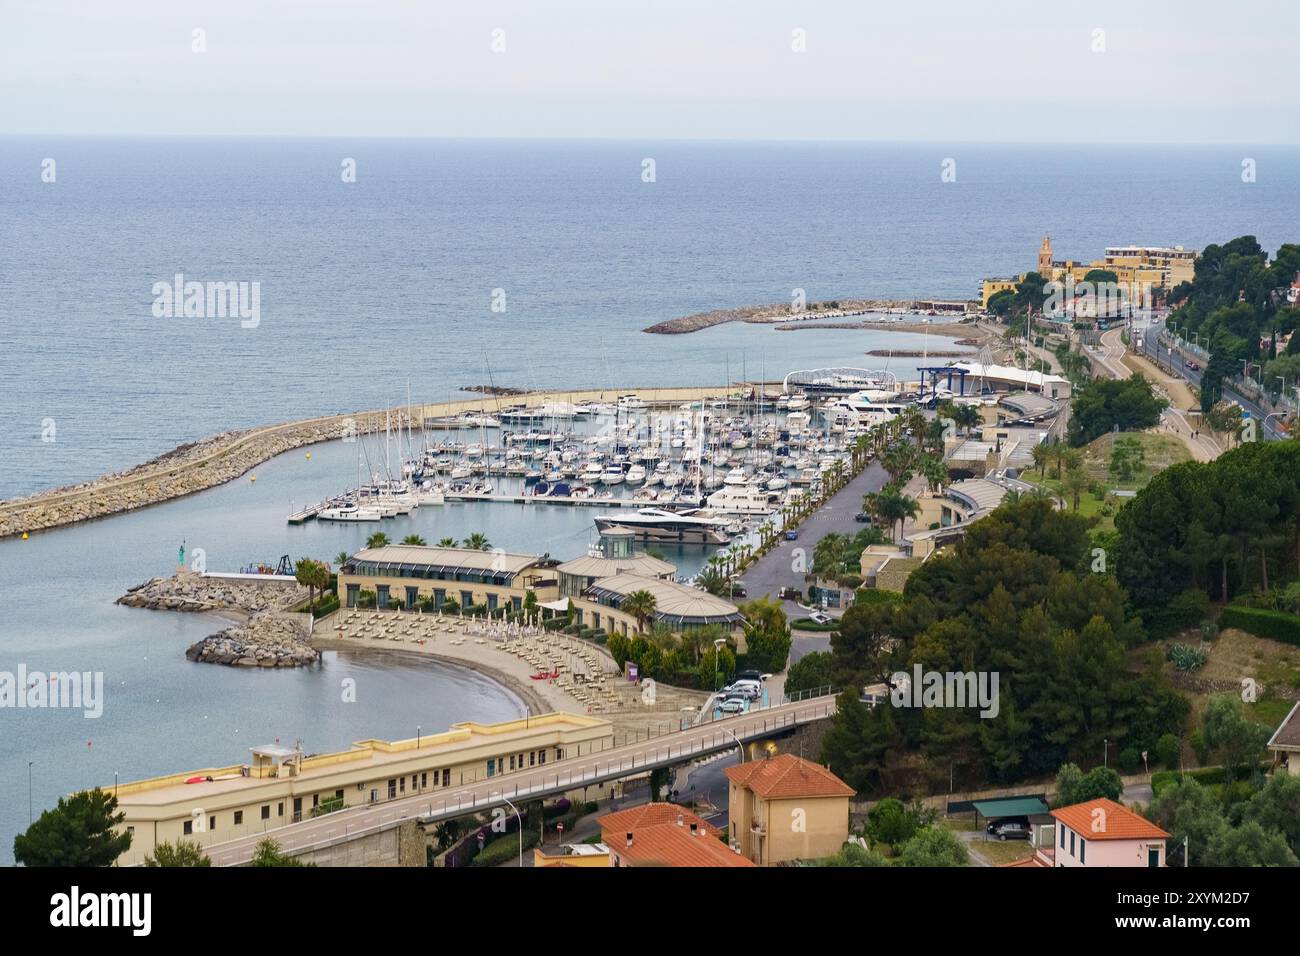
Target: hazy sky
(1003,70)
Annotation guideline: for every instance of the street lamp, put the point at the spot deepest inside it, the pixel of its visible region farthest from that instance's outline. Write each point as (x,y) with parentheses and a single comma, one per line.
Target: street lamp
(739,746)
(417,736)
(29,793)
(717,649)
(520,821)
(1105,759)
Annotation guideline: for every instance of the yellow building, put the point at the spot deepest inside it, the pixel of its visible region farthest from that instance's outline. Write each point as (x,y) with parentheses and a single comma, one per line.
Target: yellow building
(280,785)
(992,286)
(578,855)
(787,808)
(406,573)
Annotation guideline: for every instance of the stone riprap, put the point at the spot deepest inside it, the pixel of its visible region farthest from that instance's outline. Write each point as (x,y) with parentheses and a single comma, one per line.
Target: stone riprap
(268,640)
(182,471)
(188,591)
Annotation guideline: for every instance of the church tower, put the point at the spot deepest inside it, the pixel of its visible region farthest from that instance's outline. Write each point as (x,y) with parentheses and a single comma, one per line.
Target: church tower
(1045,258)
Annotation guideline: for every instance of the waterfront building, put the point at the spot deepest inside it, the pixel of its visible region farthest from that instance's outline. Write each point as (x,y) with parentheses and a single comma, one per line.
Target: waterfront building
(613,555)
(407,573)
(281,785)
(665,834)
(786,808)
(1136,268)
(679,606)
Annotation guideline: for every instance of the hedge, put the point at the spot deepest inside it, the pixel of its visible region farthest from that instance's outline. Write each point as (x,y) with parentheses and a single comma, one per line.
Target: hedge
(1205,776)
(1277,625)
(505,847)
(808,624)
(876,596)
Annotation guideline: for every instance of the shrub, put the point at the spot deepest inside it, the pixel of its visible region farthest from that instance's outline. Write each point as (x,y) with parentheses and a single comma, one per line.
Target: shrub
(876,596)
(1277,625)
(1129,760)
(1187,657)
(1167,750)
(504,848)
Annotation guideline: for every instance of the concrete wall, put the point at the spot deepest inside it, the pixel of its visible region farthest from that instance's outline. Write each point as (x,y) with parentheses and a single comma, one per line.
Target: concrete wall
(402,845)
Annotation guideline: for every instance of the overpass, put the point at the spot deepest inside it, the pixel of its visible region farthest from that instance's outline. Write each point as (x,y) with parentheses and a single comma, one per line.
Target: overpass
(358,823)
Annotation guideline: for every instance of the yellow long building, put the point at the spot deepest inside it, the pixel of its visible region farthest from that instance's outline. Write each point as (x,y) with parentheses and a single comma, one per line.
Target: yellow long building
(281,785)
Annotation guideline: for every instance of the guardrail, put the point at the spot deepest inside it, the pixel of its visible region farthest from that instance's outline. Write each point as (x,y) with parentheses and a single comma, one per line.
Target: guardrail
(702,741)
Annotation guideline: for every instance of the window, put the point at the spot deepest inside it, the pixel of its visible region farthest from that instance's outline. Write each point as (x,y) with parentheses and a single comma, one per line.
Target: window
(401,784)
(130,830)
(280,810)
(1083,850)
(239,818)
(392,789)
(541,756)
(315,800)
(424,780)
(353,590)
(492,766)
(512,761)
(189,827)
(1071,843)
(532,757)
(439,595)
(414,780)
(212,823)
(266,811)
(518,603)
(412,596)
(1062,826)
(381,595)
(595,620)
(466,598)
(446,777)
(559,753)
(492,602)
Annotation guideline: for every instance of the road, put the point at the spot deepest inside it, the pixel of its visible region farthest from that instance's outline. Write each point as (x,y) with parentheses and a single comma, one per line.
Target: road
(562,776)
(1177,419)
(777,569)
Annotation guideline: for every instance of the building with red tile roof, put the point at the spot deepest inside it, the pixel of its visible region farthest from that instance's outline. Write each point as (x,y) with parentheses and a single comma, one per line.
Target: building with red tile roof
(787,808)
(1102,832)
(664,834)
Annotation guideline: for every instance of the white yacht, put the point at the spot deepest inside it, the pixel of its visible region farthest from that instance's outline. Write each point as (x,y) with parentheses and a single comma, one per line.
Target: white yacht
(744,500)
(635,475)
(612,475)
(658,524)
(865,411)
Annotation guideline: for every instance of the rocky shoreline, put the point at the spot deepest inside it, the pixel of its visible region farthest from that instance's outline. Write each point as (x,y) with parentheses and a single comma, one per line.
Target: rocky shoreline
(185,470)
(268,640)
(269,637)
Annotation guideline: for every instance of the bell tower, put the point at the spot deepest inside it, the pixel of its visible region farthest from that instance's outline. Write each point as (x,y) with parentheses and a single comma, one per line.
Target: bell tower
(1045,258)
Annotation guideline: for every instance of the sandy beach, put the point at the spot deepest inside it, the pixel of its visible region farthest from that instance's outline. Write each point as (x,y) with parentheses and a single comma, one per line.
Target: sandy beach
(622,705)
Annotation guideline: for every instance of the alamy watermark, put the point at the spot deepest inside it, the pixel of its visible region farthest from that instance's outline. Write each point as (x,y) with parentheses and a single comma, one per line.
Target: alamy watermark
(208,300)
(958,689)
(65,690)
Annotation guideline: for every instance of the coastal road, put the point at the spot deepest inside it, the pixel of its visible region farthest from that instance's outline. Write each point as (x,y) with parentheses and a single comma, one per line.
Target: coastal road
(564,775)
(777,569)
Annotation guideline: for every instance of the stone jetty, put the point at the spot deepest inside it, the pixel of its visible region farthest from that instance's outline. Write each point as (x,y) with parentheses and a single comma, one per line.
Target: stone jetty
(776,313)
(268,640)
(182,471)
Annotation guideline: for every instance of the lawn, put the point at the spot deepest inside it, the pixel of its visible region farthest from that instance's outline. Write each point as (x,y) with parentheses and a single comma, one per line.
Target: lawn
(998,852)
(1158,453)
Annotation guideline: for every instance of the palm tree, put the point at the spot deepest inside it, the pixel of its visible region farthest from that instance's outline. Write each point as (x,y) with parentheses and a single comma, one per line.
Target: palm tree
(311,574)
(446,542)
(892,506)
(341,558)
(414,540)
(934,471)
(476,542)
(967,417)
(1074,484)
(1042,457)
(377,540)
(640,605)
(897,462)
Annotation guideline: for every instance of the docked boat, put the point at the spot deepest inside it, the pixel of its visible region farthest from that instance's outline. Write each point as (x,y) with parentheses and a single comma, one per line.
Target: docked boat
(658,524)
(635,475)
(349,512)
(612,475)
(742,500)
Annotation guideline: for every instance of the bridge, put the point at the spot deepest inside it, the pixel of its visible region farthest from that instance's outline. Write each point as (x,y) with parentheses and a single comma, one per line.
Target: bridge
(368,820)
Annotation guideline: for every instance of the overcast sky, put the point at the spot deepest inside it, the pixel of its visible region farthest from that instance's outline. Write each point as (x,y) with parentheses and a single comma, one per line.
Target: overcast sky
(1190,71)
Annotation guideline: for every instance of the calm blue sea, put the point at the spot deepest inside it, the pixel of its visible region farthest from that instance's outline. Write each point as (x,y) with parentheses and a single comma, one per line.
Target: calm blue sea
(368,285)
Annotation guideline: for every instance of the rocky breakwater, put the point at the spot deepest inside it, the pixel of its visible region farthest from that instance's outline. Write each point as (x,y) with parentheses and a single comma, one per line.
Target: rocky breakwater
(270,637)
(268,640)
(182,471)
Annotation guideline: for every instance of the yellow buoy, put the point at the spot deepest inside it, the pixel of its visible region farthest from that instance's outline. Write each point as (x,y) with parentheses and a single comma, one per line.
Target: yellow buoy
(24,535)
(252,477)
(309,456)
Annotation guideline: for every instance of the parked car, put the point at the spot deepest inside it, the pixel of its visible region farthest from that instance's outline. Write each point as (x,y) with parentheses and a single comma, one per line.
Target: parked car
(749,675)
(792,535)
(1193,367)
(863,517)
(790,594)
(1009,829)
(733,705)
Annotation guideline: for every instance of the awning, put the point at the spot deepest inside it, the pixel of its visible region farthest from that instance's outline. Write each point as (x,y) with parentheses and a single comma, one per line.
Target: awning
(562,605)
(1011,807)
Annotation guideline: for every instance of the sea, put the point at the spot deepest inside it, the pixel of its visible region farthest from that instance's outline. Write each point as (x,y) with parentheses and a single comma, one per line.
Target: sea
(433,265)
